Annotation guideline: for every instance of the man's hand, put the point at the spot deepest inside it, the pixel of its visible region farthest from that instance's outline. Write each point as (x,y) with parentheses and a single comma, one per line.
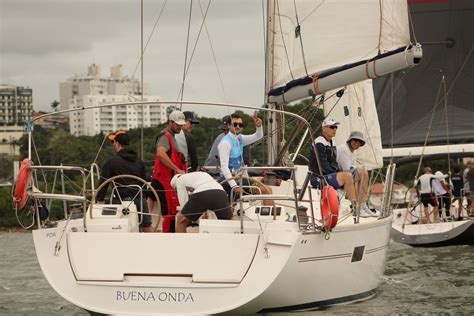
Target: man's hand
(179,171)
(257,120)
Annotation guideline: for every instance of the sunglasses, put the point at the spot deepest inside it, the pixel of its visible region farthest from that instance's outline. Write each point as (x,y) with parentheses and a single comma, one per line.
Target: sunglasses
(333,127)
(238,124)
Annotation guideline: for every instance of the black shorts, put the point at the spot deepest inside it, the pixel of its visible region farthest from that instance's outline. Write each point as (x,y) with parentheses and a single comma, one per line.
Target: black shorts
(444,201)
(428,198)
(213,200)
(160,190)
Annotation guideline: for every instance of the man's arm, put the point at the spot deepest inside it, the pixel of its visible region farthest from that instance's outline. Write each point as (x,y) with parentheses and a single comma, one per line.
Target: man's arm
(224,153)
(250,139)
(163,156)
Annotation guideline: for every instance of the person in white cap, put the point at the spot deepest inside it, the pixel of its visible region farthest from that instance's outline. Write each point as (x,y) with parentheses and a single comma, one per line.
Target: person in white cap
(327,159)
(346,160)
(168,162)
(197,193)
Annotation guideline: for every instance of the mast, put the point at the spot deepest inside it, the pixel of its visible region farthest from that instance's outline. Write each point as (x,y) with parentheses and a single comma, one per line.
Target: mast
(272,127)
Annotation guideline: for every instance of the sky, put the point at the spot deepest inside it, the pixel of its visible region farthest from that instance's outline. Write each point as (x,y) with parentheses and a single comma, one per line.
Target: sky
(45,42)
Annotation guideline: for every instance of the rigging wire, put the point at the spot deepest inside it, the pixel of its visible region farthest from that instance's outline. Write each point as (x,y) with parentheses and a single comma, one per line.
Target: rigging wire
(150,36)
(212,49)
(194,50)
(301,38)
(283,41)
(186,52)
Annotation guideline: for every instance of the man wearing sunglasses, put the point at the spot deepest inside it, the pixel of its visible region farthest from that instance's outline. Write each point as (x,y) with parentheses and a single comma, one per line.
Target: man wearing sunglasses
(346,158)
(326,155)
(231,148)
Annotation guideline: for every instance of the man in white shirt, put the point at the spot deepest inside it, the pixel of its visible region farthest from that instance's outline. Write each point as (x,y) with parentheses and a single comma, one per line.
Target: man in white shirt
(442,192)
(426,193)
(197,193)
(231,148)
(346,159)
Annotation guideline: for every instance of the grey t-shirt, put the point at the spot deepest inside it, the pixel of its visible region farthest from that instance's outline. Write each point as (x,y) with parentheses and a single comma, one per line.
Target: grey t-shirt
(211,158)
(163,141)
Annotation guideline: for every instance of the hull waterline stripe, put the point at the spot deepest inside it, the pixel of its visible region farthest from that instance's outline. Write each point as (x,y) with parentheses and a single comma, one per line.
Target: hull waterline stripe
(319,304)
(308,259)
(377,249)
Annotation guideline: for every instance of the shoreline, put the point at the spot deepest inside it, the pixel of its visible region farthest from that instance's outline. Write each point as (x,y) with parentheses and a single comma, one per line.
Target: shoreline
(13,230)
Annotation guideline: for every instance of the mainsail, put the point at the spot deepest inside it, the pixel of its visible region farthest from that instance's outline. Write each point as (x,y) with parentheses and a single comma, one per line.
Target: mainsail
(317,46)
(443,82)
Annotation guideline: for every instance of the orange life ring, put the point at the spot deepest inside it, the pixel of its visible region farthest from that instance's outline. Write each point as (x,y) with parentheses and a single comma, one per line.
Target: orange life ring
(329,207)
(20,196)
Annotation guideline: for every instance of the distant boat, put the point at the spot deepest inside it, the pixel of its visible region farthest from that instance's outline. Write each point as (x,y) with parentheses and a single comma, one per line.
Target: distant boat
(281,257)
(432,113)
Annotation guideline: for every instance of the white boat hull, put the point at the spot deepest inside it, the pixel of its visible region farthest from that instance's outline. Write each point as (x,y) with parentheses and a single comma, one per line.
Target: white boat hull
(406,230)
(281,269)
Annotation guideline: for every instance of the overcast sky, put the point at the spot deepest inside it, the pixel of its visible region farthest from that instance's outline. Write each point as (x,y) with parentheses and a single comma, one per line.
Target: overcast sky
(45,42)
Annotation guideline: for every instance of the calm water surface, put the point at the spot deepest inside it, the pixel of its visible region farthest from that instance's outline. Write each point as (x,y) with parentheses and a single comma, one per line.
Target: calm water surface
(416,281)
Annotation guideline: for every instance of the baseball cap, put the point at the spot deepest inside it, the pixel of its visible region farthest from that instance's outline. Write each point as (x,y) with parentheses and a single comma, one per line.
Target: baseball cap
(177,117)
(190,116)
(329,122)
(224,122)
(357,135)
(120,137)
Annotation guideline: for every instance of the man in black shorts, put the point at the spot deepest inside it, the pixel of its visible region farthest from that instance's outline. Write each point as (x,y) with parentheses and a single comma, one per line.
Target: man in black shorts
(197,193)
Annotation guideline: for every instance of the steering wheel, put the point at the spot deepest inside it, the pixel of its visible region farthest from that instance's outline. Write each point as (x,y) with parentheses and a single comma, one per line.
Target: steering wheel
(145,184)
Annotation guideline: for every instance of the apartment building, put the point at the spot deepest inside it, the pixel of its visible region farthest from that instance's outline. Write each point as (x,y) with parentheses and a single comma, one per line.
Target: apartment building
(16,104)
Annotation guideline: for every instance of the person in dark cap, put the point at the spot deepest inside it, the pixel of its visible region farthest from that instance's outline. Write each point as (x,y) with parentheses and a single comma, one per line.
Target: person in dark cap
(213,156)
(186,141)
(125,161)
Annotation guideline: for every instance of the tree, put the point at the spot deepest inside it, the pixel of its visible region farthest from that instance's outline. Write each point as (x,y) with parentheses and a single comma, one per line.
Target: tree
(55,105)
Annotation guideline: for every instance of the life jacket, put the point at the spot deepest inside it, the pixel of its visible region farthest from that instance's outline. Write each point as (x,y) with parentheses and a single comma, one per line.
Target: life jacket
(236,150)
(163,174)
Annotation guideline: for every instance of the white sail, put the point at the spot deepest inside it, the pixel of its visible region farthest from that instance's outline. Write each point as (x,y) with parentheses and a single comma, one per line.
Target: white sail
(356,111)
(317,37)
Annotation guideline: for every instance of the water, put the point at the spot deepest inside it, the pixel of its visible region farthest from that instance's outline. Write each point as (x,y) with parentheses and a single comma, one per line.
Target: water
(416,281)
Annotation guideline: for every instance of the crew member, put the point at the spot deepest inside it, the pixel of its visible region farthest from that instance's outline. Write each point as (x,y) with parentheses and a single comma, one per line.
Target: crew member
(125,161)
(231,148)
(186,141)
(168,162)
(197,193)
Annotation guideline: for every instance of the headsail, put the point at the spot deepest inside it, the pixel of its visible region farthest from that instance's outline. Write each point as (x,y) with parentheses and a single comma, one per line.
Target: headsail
(445,28)
(318,46)
(356,111)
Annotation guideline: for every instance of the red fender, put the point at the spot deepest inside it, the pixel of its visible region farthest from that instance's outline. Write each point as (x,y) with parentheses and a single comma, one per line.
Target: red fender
(330,207)
(20,197)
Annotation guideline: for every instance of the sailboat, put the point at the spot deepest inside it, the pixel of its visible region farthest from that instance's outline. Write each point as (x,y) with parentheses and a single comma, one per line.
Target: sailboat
(287,256)
(426,112)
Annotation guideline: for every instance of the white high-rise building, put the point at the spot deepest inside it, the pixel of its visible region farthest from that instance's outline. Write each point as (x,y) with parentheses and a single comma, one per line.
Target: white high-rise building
(110,119)
(91,89)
